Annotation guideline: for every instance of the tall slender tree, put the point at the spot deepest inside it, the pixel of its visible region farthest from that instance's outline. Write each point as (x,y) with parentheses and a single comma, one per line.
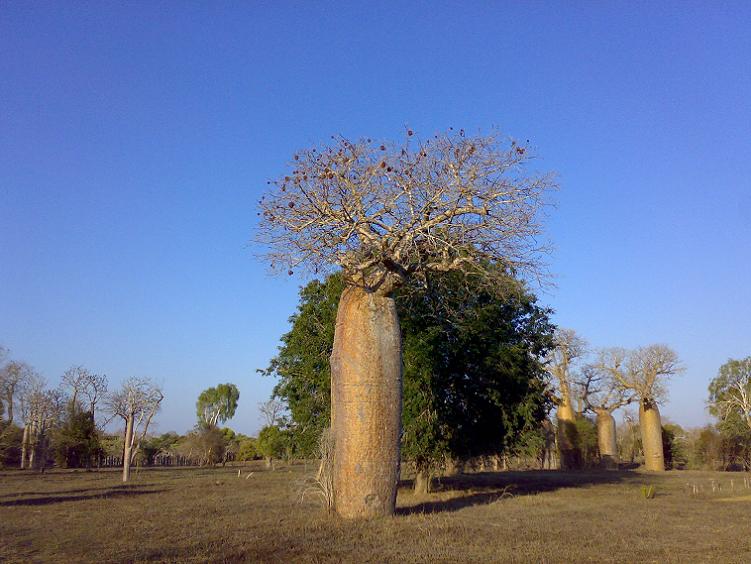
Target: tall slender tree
(387,214)
(136,403)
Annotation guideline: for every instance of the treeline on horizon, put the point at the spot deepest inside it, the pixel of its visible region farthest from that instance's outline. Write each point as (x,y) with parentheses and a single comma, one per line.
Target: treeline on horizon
(482,375)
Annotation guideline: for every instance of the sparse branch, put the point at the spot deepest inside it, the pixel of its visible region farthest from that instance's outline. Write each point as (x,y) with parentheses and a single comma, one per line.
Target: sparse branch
(385,212)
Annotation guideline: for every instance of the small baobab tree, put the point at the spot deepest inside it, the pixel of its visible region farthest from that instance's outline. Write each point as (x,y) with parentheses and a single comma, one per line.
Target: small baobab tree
(647,370)
(568,349)
(136,403)
(602,393)
(387,214)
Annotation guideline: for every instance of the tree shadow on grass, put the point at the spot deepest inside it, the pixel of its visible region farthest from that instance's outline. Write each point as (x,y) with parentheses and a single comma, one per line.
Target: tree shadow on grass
(487,487)
(105,494)
(73,491)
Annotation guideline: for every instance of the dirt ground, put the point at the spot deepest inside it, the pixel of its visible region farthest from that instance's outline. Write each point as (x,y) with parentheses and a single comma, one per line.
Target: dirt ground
(212,514)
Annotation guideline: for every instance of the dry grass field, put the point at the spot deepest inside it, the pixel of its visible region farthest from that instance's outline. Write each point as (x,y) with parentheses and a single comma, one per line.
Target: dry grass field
(189,515)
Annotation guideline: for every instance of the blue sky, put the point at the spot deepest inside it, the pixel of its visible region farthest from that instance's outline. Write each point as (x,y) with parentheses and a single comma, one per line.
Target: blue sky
(135,138)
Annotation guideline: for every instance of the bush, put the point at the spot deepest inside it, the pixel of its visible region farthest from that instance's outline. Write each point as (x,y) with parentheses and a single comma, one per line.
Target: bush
(75,444)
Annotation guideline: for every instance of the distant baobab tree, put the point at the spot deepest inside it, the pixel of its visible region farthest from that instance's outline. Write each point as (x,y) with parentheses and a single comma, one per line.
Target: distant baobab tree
(568,350)
(647,370)
(388,214)
(136,403)
(602,393)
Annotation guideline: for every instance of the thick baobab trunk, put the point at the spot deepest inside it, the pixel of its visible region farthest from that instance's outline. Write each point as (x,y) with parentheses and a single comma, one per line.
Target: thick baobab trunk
(33,443)
(422,482)
(128,448)
(606,439)
(366,404)
(567,438)
(651,436)
(24,446)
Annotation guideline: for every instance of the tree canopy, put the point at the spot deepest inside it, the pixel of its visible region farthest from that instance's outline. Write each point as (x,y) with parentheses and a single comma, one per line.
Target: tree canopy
(385,212)
(217,405)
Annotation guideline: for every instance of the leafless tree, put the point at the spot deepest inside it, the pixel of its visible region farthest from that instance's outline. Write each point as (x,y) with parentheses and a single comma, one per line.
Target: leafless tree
(136,403)
(85,386)
(13,377)
(568,350)
(271,411)
(602,392)
(42,410)
(387,214)
(646,373)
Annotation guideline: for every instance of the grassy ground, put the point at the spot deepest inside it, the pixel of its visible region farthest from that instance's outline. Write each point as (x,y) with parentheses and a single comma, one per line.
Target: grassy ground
(183,515)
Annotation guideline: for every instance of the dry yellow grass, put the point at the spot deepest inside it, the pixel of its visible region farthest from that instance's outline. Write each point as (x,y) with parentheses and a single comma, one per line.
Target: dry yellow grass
(196,515)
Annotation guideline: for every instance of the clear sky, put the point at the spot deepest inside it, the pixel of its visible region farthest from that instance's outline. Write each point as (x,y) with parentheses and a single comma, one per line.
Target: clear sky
(135,138)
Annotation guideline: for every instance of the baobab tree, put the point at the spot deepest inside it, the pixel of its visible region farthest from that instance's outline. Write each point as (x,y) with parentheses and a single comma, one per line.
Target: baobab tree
(387,214)
(136,403)
(568,350)
(646,373)
(602,393)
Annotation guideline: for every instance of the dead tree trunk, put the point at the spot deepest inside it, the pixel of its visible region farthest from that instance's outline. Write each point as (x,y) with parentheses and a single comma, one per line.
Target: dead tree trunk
(651,435)
(366,404)
(606,439)
(128,447)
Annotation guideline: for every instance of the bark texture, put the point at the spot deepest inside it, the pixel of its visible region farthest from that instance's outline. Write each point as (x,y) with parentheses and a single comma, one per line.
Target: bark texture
(570,458)
(366,404)
(422,482)
(651,436)
(606,439)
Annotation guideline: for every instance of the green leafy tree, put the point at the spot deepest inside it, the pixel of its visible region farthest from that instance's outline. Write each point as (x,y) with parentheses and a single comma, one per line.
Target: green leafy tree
(76,444)
(248,450)
(675,446)
(730,402)
(271,444)
(217,405)
(302,364)
(473,378)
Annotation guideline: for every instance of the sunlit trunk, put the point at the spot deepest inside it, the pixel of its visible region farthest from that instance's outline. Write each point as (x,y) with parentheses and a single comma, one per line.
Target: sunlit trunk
(24,446)
(422,482)
(128,448)
(651,436)
(567,438)
(454,466)
(606,439)
(366,404)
